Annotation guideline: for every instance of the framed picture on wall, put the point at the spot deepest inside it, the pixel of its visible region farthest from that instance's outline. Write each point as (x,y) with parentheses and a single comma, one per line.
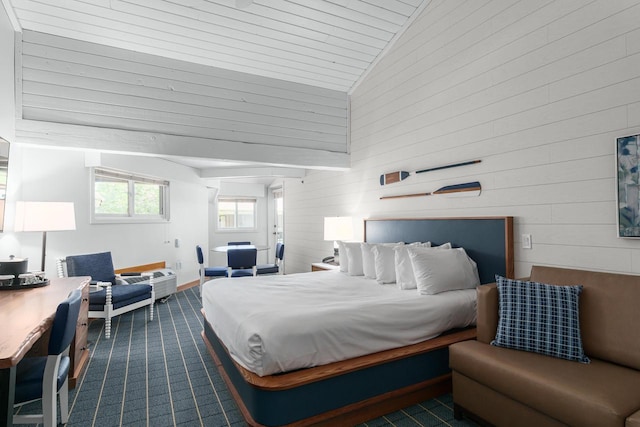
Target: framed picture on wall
(628,190)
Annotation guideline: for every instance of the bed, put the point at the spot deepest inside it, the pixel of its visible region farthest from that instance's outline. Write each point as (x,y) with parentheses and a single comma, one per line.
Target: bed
(374,381)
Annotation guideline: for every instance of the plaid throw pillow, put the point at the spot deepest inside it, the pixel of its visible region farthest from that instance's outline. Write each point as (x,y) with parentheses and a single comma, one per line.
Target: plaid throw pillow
(540,318)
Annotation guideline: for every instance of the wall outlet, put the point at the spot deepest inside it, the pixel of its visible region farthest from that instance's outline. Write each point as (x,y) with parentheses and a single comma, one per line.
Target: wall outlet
(526,241)
(176,243)
(178,265)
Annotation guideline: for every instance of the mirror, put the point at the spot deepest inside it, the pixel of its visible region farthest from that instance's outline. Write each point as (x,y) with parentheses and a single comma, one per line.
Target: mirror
(4,169)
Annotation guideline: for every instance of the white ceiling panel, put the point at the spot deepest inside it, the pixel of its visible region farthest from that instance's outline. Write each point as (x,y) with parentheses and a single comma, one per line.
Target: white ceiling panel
(329,44)
(324,43)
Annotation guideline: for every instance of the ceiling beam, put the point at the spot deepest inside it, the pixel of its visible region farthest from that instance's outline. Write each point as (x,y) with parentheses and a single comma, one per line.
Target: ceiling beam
(252,172)
(60,135)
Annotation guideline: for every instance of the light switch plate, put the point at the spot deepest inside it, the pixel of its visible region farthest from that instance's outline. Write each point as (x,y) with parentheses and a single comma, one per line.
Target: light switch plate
(526,241)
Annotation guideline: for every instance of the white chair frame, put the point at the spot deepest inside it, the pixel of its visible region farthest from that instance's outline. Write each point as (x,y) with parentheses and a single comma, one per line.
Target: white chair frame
(50,394)
(108,312)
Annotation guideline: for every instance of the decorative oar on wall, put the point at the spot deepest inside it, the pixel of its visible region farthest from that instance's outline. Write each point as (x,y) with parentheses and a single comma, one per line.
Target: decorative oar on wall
(468,189)
(391,177)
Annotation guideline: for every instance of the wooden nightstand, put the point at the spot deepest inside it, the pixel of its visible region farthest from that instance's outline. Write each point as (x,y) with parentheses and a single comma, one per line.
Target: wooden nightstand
(322,266)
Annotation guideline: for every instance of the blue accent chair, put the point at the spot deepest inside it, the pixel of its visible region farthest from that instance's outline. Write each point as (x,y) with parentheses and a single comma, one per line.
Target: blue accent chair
(242,262)
(46,377)
(275,267)
(238,243)
(110,295)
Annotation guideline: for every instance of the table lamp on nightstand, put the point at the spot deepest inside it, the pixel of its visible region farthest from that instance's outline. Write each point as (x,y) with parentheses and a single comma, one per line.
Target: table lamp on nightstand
(337,228)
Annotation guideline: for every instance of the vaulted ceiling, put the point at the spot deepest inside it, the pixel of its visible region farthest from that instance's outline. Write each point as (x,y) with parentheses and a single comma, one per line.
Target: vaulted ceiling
(325,43)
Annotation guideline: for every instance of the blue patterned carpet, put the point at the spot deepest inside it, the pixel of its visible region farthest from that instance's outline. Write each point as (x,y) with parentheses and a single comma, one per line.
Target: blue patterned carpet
(159,373)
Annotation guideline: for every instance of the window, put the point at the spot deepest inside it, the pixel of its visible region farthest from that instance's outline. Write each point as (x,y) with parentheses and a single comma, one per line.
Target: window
(123,197)
(236,214)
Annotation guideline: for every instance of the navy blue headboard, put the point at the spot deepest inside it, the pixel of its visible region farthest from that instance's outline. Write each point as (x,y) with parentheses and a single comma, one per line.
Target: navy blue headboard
(487,240)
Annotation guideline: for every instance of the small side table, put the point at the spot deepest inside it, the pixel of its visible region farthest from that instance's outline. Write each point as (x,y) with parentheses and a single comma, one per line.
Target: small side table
(323,266)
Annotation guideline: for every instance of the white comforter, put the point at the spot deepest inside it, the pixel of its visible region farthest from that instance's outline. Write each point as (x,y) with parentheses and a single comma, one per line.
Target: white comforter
(280,323)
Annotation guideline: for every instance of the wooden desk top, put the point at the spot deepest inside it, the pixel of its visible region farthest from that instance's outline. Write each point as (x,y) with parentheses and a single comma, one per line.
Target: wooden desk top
(25,314)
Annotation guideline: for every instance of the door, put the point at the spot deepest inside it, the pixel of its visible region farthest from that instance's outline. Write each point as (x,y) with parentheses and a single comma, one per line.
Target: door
(278,215)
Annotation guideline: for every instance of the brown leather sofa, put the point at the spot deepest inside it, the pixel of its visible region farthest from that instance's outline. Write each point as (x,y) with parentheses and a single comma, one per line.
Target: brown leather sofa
(506,387)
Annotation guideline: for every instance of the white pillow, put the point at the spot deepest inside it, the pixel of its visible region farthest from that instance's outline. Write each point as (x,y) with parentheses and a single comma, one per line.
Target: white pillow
(404,270)
(440,271)
(442,246)
(354,258)
(343,260)
(384,262)
(368,261)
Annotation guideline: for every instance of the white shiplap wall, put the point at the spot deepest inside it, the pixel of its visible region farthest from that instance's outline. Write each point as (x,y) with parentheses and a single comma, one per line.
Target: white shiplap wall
(536,90)
(80,83)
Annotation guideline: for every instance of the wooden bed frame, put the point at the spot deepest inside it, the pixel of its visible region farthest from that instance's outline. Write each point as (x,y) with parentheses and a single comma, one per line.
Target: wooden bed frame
(355,390)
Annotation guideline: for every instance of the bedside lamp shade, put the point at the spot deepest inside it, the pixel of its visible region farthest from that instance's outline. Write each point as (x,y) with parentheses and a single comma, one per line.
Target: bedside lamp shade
(338,228)
(44,216)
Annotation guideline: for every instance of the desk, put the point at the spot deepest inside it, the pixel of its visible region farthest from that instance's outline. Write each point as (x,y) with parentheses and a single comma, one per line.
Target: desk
(226,248)
(25,316)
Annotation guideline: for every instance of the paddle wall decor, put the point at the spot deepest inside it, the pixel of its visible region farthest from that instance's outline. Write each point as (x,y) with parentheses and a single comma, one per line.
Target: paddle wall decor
(468,189)
(392,177)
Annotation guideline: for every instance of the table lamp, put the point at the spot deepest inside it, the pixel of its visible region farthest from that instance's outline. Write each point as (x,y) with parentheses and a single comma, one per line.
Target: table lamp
(44,216)
(338,228)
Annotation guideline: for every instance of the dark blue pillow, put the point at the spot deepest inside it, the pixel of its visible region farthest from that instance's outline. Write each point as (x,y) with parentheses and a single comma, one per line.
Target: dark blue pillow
(540,318)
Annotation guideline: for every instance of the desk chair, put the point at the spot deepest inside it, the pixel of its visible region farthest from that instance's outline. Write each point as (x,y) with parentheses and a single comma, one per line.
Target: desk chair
(208,271)
(242,262)
(275,267)
(238,243)
(110,295)
(46,377)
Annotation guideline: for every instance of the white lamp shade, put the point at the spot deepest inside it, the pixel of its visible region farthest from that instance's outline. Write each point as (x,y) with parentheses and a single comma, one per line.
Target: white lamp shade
(338,228)
(45,216)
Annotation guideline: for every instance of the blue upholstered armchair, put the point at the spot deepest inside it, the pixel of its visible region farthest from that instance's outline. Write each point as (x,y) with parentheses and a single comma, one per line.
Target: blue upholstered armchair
(111,295)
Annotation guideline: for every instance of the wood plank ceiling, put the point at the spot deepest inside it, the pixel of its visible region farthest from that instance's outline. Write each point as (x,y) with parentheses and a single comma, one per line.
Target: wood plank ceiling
(329,44)
(324,43)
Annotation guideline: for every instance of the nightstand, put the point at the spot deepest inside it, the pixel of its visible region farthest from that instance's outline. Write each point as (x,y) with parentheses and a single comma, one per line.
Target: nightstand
(322,266)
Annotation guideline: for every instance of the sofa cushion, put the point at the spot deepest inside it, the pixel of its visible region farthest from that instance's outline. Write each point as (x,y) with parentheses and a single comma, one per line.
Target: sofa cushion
(633,420)
(595,394)
(121,295)
(609,315)
(540,318)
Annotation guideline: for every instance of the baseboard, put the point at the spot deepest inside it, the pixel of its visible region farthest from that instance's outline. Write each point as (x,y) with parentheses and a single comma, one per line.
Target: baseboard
(188,285)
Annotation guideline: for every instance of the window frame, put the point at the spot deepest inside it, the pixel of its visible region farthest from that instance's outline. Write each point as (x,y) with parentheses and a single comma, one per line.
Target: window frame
(236,199)
(131,179)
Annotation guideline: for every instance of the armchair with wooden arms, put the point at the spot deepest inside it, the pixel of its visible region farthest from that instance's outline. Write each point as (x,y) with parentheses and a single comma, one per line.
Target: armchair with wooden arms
(110,294)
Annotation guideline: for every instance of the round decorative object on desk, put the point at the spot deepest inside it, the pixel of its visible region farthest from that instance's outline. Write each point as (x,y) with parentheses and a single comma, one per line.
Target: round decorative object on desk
(23,281)
(6,280)
(13,267)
